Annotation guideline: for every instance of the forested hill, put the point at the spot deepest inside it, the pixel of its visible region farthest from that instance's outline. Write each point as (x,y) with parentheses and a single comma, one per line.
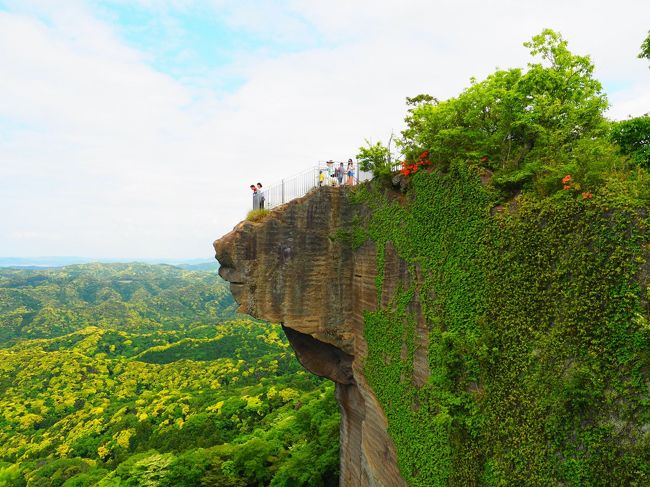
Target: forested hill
(130,297)
(133,374)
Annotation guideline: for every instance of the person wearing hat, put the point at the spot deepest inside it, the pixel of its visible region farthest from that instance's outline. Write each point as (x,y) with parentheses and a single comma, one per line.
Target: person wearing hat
(330,172)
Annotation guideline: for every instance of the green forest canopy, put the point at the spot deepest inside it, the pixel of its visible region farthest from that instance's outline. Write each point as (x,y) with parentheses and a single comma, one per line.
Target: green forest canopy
(129,374)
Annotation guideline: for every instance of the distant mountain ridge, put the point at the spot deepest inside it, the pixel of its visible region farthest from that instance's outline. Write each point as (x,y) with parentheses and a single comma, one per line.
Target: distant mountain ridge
(51,302)
(60,261)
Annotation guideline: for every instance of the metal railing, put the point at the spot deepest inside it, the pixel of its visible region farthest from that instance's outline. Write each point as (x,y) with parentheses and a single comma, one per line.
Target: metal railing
(302,183)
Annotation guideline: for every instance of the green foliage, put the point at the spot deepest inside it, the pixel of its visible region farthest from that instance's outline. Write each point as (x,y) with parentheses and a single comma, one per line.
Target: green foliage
(258,215)
(354,237)
(645,48)
(534,346)
(525,126)
(11,476)
(58,472)
(55,302)
(375,158)
(223,403)
(537,333)
(633,138)
(422,421)
(536,310)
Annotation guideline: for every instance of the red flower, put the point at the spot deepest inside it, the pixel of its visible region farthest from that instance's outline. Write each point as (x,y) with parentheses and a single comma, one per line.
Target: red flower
(566,186)
(587,195)
(484,159)
(566,179)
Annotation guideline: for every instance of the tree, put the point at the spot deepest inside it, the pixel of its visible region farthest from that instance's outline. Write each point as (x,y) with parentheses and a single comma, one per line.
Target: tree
(633,138)
(523,125)
(645,48)
(375,158)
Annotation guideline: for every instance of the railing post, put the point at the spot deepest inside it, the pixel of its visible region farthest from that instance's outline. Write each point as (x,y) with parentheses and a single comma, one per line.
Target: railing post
(283,191)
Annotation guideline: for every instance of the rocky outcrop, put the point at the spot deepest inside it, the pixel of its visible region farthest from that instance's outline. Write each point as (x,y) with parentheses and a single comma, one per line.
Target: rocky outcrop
(534,320)
(293,268)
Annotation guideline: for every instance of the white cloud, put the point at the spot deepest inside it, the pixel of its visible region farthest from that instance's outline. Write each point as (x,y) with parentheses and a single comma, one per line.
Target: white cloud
(105,156)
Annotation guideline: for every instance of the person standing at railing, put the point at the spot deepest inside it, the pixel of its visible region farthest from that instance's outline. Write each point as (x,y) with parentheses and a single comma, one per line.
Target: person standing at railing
(260,197)
(330,172)
(339,172)
(255,197)
(350,173)
(321,178)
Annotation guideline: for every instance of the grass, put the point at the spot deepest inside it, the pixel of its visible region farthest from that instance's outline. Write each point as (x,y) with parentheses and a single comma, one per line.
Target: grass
(256,216)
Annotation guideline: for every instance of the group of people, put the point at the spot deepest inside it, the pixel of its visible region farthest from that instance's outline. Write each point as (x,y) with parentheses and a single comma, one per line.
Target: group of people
(336,176)
(258,196)
(331,175)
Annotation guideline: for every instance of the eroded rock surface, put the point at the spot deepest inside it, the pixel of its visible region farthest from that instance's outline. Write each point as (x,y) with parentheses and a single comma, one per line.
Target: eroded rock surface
(292,268)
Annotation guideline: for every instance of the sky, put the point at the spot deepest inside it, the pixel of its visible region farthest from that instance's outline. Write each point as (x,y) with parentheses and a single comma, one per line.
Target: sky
(133,128)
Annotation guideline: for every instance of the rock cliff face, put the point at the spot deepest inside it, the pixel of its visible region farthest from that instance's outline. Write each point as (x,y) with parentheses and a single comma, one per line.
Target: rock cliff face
(470,346)
(292,269)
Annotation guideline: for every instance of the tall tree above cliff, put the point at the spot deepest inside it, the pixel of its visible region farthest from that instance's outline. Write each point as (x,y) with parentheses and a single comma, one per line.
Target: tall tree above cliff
(523,124)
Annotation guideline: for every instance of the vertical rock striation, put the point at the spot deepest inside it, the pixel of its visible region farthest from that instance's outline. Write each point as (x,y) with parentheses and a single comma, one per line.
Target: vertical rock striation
(291,269)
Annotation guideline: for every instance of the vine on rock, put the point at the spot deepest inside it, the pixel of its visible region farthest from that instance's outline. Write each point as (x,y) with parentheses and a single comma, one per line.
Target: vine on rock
(537,336)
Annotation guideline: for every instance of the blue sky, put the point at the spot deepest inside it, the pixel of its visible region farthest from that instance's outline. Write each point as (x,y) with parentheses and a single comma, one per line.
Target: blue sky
(190,43)
(134,127)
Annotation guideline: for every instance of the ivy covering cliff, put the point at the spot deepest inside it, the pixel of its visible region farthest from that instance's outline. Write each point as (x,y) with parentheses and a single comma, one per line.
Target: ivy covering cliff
(524,229)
